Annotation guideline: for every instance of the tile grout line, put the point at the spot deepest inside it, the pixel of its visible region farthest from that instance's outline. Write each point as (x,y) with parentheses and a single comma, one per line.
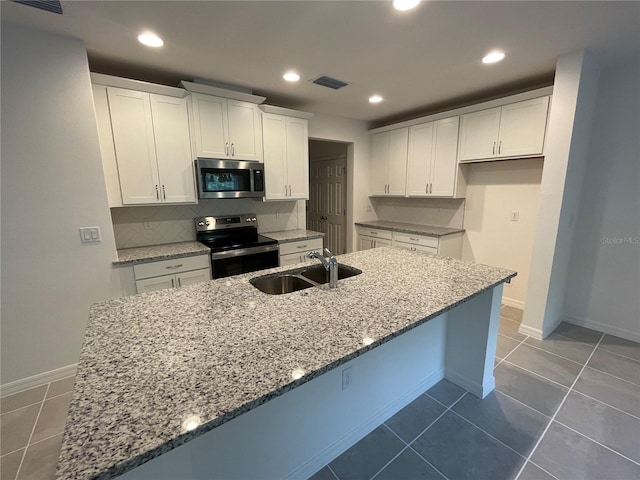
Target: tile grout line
(537,374)
(618,378)
(606,404)
(24,454)
(332,472)
(555,354)
(620,355)
(23,406)
(514,348)
(596,441)
(538,466)
(521,403)
(564,399)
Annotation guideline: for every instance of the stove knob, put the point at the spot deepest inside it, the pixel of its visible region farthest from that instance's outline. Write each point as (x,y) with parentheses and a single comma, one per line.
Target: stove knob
(247,219)
(254,219)
(201,224)
(207,224)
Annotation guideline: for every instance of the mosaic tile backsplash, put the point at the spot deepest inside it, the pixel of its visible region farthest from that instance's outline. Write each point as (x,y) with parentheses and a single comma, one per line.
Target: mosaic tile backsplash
(169,224)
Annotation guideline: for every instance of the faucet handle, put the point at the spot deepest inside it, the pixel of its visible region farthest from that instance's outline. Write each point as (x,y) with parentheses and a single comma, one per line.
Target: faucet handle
(312,254)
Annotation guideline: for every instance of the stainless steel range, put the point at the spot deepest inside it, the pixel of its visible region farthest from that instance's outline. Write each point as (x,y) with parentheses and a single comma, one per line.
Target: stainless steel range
(236,247)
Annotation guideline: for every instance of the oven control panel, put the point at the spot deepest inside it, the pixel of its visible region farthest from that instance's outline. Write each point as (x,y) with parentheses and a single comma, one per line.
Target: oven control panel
(207,224)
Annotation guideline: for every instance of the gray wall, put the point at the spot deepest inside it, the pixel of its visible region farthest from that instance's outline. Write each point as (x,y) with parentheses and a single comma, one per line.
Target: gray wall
(604,275)
(52,184)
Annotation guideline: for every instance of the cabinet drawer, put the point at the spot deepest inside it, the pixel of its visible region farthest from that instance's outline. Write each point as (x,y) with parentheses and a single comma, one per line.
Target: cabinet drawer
(301,247)
(416,239)
(166,267)
(416,248)
(294,258)
(372,232)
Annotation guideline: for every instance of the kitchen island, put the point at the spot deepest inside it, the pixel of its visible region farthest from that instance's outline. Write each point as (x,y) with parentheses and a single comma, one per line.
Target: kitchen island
(221,380)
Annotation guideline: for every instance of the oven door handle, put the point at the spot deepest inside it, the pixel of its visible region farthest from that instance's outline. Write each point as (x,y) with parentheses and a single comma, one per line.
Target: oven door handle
(243,251)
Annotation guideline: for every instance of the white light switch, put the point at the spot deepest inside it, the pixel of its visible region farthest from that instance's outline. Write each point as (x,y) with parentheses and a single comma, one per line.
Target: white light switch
(515,216)
(90,235)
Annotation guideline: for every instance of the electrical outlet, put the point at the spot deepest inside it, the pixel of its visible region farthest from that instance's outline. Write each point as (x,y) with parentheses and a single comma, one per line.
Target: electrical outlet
(347,378)
(146,223)
(90,235)
(515,216)
(368,208)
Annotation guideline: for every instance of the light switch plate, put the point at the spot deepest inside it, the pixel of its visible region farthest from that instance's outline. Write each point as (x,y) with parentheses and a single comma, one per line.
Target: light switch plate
(90,235)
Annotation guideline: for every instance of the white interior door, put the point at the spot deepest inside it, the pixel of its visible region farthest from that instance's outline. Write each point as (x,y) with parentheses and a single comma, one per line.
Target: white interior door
(327,202)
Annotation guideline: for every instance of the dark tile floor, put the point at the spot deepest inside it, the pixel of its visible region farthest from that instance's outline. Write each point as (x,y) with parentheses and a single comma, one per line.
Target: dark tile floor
(567,407)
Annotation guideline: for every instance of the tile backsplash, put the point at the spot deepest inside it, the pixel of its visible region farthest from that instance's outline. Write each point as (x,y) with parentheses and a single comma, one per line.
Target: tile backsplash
(444,212)
(174,223)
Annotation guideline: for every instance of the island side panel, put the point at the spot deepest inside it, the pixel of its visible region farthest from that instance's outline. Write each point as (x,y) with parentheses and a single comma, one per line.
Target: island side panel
(472,334)
(297,433)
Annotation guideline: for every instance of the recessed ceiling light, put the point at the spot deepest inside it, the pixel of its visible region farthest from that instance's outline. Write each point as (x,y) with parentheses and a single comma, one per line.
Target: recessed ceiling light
(493,57)
(403,5)
(291,77)
(375,99)
(150,39)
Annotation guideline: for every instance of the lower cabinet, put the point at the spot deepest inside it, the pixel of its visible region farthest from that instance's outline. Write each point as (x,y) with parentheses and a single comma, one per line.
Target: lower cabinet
(172,273)
(295,252)
(445,246)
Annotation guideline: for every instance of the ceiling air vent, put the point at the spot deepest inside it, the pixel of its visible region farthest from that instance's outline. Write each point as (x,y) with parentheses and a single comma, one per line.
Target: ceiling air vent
(52,6)
(327,81)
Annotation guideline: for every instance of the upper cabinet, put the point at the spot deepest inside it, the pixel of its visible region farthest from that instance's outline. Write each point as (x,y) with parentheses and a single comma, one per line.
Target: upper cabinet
(511,131)
(286,157)
(226,128)
(151,141)
(389,162)
(432,166)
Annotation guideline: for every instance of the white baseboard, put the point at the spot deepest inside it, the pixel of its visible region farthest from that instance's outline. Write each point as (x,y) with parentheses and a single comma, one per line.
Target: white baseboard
(351,438)
(532,332)
(43,378)
(603,327)
(512,302)
(477,389)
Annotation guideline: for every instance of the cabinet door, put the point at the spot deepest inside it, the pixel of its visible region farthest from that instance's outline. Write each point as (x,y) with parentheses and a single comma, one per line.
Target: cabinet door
(134,145)
(398,145)
(444,166)
(245,131)
(107,150)
(155,283)
(291,259)
(297,148)
(210,126)
(381,242)
(275,156)
(173,149)
(522,128)
(364,243)
(419,159)
(479,134)
(379,163)
(195,276)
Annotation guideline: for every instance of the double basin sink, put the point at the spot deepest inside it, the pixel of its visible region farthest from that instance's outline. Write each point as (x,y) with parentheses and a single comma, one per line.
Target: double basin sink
(299,279)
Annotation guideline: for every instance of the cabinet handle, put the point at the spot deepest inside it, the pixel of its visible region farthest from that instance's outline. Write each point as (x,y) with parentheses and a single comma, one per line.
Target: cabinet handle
(431,188)
(226,149)
(173,283)
(157,193)
(302,246)
(413,239)
(164,193)
(373,233)
(500,147)
(289,190)
(494,148)
(373,244)
(173,267)
(179,282)
(233,150)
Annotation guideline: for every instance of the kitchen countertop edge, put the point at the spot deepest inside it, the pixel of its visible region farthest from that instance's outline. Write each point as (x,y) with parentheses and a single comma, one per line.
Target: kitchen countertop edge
(429,230)
(154,253)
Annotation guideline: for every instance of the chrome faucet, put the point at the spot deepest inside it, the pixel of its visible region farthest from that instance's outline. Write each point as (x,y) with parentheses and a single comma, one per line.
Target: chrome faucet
(330,265)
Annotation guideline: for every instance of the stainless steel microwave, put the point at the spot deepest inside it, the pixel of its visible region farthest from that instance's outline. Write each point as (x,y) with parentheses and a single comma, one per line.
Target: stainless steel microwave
(229,178)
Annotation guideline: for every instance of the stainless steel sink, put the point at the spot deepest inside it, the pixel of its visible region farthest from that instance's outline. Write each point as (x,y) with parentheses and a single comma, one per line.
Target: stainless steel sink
(280,284)
(320,275)
(299,279)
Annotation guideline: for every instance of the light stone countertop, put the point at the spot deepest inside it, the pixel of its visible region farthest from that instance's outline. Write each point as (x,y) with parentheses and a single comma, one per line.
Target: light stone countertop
(221,348)
(152,253)
(286,236)
(429,230)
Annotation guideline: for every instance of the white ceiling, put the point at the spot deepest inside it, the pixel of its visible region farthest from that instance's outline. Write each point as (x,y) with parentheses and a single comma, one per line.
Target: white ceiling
(418,61)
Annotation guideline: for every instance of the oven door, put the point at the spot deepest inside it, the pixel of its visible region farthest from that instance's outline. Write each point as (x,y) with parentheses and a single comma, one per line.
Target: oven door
(244,260)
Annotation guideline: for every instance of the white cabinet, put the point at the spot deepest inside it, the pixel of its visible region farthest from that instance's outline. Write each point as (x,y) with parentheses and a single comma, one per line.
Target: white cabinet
(444,246)
(373,238)
(389,162)
(172,273)
(295,252)
(152,147)
(226,128)
(511,131)
(286,157)
(432,164)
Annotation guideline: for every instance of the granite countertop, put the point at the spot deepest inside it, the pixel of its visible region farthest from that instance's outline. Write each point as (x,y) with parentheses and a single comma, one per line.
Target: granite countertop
(430,230)
(286,236)
(151,253)
(218,349)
